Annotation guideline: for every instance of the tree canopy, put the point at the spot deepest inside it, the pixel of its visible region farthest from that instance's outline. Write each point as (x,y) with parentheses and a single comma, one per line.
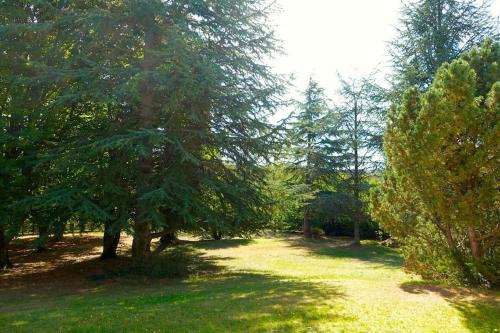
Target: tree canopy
(441,185)
(150,115)
(432,32)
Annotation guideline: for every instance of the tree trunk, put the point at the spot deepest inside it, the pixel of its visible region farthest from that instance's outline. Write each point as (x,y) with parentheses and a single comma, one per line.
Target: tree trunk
(357,221)
(457,256)
(141,246)
(59,231)
(110,241)
(216,235)
(357,181)
(477,256)
(474,244)
(4,251)
(168,239)
(307,225)
(43,237)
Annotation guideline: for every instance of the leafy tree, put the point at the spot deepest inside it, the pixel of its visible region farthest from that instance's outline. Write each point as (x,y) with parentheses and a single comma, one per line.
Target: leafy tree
(441,193)
(311,151)
(433,32)
(359,130)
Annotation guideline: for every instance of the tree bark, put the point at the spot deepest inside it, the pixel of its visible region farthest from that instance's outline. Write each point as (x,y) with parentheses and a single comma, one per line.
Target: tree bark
(110,241)
(59,231)
(357,181)
(357,221)
(168,239)
(307,230)
(43,237)
(477,256)
(4,250)
(141,245)
(474,244)
(455,253)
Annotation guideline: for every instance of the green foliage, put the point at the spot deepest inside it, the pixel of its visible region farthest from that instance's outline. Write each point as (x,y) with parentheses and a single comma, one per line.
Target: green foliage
(440,194)
(311,151)
(433,32)
(358,133)
(335,213)
(287,197)
(334,153)
(151,115)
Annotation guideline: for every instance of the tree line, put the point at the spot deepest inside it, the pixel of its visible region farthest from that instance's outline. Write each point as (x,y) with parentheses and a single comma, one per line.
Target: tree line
(151,118)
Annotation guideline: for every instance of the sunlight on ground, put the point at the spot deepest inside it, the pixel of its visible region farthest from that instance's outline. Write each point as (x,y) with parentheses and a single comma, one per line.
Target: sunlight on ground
(263,285)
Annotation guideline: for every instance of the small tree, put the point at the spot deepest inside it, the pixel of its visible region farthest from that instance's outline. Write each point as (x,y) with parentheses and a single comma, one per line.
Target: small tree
(441,189)
(359,119)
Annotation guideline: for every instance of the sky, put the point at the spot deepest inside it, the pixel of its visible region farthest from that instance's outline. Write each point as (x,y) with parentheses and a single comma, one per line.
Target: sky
(321,38)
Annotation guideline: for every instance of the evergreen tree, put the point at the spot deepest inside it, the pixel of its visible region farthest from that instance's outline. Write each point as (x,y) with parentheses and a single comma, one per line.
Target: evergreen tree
(287,197)
(29,123)
(359,130)
(432,32)
(161,104)
(311,152)
(441,187)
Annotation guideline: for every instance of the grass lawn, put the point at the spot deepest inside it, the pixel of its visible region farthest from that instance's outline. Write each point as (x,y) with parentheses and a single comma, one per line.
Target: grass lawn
(262,285)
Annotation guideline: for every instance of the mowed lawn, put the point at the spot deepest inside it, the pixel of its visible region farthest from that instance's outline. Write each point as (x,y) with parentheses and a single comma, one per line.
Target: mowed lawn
(262,285)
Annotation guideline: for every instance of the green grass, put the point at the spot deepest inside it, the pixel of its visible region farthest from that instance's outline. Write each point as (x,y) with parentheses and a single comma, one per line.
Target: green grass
(263,285)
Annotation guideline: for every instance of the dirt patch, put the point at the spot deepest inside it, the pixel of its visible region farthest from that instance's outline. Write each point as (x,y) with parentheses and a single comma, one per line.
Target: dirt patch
(64,267)
(451,293)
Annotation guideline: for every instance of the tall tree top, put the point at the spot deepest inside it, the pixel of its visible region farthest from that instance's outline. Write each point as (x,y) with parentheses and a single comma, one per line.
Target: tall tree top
(310,120)
(432,32)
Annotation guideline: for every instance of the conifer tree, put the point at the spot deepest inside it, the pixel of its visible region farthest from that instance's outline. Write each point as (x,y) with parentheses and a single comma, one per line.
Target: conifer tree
(441,193)
(432,32)
(311,152)
(359,129)
(29,124)
(160,104)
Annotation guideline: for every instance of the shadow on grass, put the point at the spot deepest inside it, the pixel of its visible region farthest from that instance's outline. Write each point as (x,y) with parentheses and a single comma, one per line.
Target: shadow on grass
(67,260)
(480,311)
(203,297)
(220,244)
(227,303)
(22,251)
(55,277)
(342,248)
(180,262)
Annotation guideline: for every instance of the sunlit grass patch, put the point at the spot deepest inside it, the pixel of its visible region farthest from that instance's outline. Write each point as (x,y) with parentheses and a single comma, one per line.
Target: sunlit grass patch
(262,285)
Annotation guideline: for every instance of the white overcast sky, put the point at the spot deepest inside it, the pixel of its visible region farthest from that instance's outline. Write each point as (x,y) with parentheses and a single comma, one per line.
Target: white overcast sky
(323,37)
